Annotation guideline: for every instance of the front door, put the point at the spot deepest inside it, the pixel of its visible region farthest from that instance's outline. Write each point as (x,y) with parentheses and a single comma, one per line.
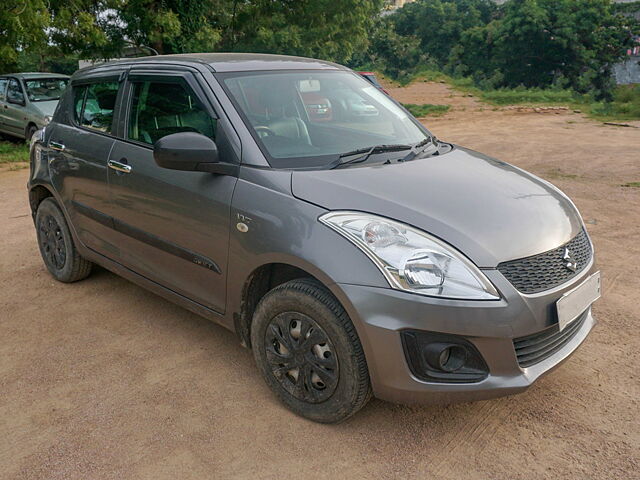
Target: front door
(3,101)
(15,120)
(171,226)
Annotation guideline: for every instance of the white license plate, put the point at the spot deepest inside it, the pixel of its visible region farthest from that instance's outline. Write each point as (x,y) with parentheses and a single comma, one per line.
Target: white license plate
(576,301)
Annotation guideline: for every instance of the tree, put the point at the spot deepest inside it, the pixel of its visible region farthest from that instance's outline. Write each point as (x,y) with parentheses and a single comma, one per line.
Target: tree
(328,29)
(22,26)
(395,55)
(175,26)
(319,28)
(439,24)
(538,42)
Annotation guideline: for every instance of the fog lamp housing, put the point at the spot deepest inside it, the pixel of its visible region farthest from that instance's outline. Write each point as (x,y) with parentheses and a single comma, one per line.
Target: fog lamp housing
(443,358)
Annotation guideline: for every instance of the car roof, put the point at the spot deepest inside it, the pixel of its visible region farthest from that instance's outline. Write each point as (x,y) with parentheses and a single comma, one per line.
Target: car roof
(229,62)
(33,75)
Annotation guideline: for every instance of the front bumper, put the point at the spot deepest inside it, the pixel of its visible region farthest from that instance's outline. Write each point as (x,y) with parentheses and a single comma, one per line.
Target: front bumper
(380,314)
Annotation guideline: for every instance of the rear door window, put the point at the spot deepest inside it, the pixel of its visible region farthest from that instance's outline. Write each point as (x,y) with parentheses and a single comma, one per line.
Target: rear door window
(94,105)
(162,107)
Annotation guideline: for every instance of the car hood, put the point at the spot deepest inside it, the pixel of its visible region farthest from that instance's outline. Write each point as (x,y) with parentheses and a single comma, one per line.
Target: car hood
(489,210)
(47,107)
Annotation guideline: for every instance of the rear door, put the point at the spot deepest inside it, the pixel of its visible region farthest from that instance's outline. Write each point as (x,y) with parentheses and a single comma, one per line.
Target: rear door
(171,226)
(82,137)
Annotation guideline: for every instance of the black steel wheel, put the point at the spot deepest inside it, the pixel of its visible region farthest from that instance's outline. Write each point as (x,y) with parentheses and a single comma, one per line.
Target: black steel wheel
(309,353)
(52,243)
(301,357)
(58,251)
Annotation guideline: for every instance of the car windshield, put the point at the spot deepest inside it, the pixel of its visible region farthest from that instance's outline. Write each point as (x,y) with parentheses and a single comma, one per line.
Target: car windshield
(45,89)
(308,119)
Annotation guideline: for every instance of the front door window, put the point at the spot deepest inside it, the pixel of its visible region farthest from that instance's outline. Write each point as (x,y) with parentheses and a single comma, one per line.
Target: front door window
(161,108)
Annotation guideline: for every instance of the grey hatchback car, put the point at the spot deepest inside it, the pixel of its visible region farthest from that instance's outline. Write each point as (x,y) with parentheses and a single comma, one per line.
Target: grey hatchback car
(28,100)
(355,254)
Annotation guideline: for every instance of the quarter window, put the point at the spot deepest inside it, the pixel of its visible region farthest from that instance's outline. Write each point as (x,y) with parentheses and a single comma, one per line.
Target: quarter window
(161,108)
(94,105)
(3,88)
(14,92)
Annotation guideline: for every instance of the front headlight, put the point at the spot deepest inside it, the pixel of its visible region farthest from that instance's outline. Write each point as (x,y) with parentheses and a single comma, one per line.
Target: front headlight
(47,119)
(411,259)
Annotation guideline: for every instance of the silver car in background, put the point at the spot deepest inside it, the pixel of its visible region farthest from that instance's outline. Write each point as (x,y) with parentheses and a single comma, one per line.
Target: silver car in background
(28,100)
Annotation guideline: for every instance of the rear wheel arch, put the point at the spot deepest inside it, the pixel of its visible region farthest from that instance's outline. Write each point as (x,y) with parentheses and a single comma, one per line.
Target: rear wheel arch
(37,194)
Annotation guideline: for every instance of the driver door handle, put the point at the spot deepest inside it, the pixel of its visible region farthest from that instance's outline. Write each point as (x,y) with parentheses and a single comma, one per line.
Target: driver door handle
(119,166)
(56,146)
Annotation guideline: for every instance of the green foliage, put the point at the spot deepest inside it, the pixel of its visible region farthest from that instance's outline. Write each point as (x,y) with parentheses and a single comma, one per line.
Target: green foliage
(46,61)
(101,29)
(328,29)
(426,109)
(539,43)
(508,96)
(395,55)
(86,28)
(625,105)
(175,26)
(628,7)
(13,152)
(22,27)
(438,24)
(557,44)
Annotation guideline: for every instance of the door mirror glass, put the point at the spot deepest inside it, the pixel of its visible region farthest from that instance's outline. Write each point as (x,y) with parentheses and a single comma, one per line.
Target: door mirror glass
(188,151)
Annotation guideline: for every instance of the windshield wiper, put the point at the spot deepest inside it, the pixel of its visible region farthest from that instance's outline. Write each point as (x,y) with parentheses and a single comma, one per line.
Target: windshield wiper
(365,153)
(419,148)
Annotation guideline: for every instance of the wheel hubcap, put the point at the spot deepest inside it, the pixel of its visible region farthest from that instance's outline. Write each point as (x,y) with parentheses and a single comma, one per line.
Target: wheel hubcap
(301,357)
(52,242)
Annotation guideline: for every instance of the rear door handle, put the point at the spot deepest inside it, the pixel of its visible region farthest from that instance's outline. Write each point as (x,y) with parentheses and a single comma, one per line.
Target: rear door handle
(56,146)
(119,166)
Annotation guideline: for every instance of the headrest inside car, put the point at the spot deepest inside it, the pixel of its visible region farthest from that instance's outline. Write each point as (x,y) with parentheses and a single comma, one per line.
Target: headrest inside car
(106,99)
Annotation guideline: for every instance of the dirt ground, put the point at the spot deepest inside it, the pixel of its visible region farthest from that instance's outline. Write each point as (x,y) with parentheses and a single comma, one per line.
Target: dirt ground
(103,380)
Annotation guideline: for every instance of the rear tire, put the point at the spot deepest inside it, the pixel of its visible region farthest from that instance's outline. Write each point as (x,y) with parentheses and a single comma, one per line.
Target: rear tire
(58,251)
(309,353)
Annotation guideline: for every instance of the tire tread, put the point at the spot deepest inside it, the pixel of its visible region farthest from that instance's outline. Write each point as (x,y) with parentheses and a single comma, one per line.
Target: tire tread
(313,288)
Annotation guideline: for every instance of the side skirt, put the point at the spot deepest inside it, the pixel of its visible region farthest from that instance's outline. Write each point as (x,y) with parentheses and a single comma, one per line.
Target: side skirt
(156,288)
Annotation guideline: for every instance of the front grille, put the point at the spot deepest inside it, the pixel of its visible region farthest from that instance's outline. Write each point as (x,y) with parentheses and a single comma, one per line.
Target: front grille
(535,348)
(547,270)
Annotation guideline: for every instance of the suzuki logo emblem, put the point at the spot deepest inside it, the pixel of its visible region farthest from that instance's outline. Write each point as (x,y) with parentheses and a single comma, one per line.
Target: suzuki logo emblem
(569,261)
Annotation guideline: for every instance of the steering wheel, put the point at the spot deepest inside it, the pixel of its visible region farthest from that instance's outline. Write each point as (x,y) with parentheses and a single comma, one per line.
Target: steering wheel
(264,131)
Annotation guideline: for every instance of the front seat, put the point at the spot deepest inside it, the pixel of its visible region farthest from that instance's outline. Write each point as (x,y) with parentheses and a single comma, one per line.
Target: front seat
(281,123)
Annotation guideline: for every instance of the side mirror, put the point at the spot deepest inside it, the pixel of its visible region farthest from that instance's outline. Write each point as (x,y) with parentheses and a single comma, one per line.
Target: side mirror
(190,151)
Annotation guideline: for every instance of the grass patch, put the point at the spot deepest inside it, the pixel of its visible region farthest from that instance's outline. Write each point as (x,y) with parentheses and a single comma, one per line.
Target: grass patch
(426,109)
(13,152)
(625,105)
(631,185)
(557,174)
(514,96)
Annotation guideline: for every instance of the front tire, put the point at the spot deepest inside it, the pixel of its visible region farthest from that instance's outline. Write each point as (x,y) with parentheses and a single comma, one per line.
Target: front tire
(56,244)
(309,353)
(29,131)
